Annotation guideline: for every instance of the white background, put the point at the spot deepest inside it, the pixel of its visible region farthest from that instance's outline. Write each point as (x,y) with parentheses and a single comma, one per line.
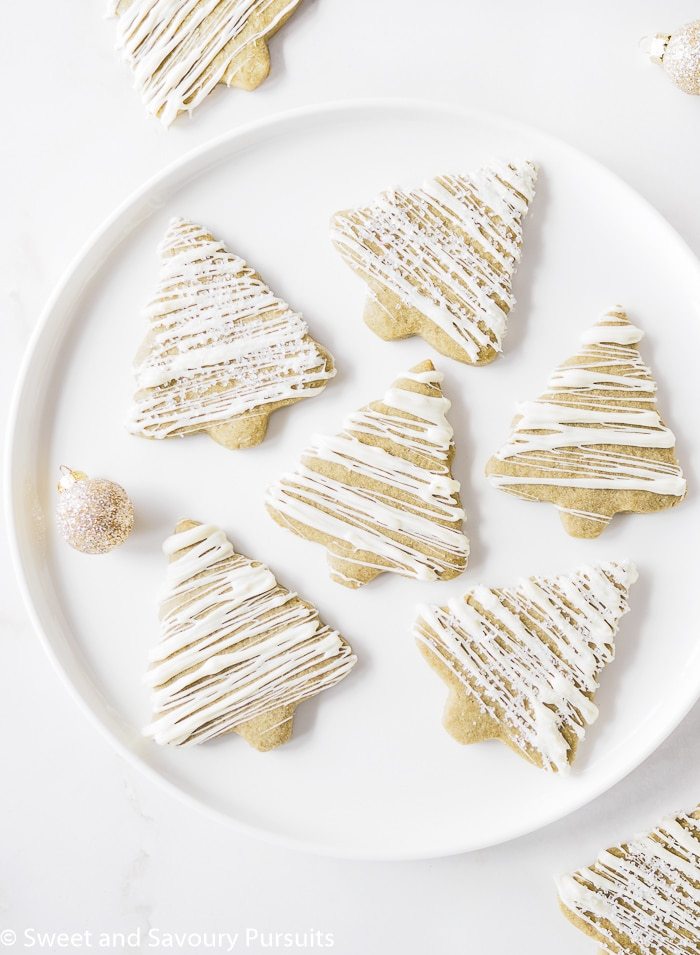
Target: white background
(87,843)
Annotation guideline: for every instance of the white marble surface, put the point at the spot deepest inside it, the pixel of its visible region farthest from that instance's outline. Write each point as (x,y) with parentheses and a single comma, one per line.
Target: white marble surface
(87,844)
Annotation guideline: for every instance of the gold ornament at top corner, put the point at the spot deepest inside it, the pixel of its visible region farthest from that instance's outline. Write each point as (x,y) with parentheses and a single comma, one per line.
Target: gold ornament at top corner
(679,54)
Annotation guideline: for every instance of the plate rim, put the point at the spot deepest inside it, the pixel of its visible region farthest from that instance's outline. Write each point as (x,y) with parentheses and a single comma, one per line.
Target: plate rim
(46,320)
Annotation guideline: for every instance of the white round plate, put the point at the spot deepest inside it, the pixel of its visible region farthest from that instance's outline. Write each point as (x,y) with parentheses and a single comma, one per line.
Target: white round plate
(370,772)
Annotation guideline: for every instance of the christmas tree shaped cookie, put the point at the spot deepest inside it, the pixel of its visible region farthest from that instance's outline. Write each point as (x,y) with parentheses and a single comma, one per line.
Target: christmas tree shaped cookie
(238,652)
(222,352)
(439,260)
(594,444)
(380,495)
(641,897)
(180,50)
(522,663)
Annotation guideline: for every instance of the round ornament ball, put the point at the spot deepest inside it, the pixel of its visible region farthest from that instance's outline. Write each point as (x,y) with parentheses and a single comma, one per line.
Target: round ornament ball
(94,515)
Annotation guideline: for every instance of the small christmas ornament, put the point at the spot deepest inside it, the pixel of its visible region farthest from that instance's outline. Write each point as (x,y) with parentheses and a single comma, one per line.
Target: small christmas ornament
(93,515)
(679,54)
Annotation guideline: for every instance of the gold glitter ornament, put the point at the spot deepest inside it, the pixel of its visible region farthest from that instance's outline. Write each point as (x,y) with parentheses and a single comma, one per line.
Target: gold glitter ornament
(93,515)
(679,54)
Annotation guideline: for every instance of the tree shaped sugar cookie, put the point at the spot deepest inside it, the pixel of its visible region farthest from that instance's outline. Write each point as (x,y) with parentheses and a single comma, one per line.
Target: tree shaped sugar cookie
(180,50)
(641,897)
(222,352)
(238,652)
(439,260)
(594,444)
(380,495)
(522,663)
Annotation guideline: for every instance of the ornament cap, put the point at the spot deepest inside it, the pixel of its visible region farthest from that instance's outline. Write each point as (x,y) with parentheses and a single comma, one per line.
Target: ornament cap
(655,46)
(68,477)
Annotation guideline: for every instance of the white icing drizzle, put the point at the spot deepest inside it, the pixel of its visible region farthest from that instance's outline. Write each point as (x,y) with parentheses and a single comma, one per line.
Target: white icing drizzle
(448,249)
(234,643)
(179,50)
(530,656)
(220,344)
(645,892)
(581,433)
(421,537)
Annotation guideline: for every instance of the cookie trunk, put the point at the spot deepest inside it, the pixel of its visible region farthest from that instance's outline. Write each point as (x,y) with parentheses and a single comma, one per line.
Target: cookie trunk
(351,572)
(464,719)
(251,68)
(269,730)
(243,432)
(389,318)
(586,528)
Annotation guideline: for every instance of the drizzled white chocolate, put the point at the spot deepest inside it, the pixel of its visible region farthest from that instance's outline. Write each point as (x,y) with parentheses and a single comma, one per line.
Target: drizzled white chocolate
(643,897)
(530,656)
(380,493)
(221,344)
(179,50)
(596,428)
(234,644)
(448,250)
